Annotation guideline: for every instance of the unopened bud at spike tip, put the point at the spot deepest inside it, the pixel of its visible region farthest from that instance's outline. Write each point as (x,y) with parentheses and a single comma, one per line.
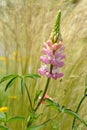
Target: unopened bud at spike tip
(55,35)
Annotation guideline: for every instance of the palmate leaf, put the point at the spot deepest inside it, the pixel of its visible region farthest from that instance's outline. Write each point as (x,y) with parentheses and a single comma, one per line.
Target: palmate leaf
(4,127)
(15,118)
(38,126)
(10,78)
(33,76)
(65,110)
(14,76)
(7,78)
(9,84)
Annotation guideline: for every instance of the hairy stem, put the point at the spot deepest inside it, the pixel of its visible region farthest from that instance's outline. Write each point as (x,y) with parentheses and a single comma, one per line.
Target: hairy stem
(36,108)
(45,90)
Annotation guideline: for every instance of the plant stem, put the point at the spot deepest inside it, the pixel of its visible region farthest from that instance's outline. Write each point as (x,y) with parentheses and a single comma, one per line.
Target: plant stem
(78,107)
(29,98)
(45,90)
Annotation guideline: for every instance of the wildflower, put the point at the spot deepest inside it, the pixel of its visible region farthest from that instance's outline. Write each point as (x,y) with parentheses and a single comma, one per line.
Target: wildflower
(53,53)
(2,58)
(14,53)
(53,59)
(12,97)
(3,109)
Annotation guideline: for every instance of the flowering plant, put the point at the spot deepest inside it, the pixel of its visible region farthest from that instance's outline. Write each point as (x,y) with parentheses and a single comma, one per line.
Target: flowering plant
(53,59)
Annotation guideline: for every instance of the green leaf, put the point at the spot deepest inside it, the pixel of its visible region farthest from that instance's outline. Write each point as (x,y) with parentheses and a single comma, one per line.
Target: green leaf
(32,117)
(22,84)
(37,95)
(53,104)
(38,126)
(4,127)
(9,84)
(7,78)
(16,118)
(65,110)
(38,115)
(2,117)
(33,76)
(72,113)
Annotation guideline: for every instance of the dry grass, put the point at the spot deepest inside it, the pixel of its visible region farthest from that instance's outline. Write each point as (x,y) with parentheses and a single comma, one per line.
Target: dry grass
(24,27)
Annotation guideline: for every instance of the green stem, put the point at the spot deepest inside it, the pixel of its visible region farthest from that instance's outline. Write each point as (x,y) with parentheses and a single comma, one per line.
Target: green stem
(78,107)
(29,98)
(45,90)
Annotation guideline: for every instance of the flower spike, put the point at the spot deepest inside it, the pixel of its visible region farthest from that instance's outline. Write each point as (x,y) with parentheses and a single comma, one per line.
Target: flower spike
(53,50)
(53,59)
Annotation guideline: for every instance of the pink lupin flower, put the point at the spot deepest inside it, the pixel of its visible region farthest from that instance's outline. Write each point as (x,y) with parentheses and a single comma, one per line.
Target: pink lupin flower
(53,56)
(53,50)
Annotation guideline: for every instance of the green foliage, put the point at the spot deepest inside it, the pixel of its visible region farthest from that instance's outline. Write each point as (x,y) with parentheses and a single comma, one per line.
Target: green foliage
(65,110)
(32,117)
(7,78)
(37,95)
(9,84)
(2,117)
(22,84)
(5,118)
(85,85)
(15,118)
(25,33)
(72,1)
(12,77)
(4,127)
(33,76)
(54,125)
(38,126)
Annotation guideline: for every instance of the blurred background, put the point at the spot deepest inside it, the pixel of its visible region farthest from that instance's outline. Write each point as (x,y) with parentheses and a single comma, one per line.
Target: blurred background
(24,26)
